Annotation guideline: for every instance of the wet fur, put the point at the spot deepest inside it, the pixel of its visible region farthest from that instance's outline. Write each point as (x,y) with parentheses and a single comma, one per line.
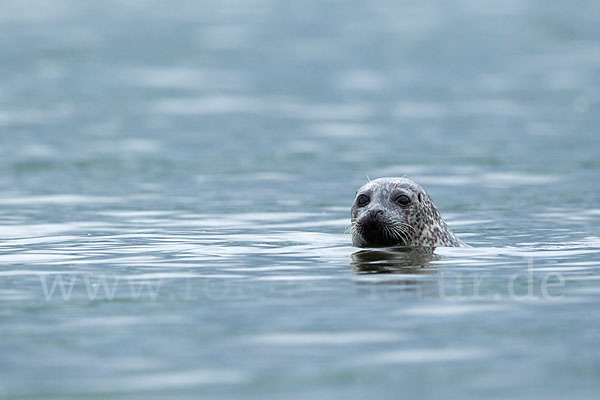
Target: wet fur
(417,225)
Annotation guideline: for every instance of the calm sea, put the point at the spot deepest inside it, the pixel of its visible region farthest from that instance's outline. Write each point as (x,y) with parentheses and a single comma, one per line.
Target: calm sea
(176,180)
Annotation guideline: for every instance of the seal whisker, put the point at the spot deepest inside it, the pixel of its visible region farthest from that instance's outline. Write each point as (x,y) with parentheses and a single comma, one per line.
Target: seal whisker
(349,229)
(407,237)
(408,226)
(402,234)
(402,228)
(410,235)
(392,234)
(386,232)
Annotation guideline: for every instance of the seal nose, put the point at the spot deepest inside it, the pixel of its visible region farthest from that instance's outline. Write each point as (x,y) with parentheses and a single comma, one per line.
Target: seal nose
(373,214)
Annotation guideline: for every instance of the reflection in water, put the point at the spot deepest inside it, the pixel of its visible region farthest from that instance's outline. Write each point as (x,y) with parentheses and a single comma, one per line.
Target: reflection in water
(397,260)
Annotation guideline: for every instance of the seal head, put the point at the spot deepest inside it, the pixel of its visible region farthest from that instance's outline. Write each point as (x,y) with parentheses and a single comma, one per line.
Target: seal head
(390,212)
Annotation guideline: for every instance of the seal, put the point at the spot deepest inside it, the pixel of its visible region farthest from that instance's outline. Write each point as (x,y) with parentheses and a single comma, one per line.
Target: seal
(397,212)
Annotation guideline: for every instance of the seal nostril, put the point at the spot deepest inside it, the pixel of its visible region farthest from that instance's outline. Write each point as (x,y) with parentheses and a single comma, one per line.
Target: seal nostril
(374,214)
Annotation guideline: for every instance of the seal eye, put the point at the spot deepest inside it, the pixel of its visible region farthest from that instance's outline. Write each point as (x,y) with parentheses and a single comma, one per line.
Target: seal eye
(403,200)
(362,200)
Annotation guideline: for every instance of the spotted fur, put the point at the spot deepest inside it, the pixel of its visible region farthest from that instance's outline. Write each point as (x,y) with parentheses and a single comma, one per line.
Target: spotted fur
(384,222)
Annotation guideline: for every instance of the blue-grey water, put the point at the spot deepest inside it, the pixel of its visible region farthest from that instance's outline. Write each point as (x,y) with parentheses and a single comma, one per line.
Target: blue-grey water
(176,179)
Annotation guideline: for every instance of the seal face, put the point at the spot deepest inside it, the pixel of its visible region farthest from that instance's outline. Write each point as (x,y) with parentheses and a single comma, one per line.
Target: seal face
(390,212)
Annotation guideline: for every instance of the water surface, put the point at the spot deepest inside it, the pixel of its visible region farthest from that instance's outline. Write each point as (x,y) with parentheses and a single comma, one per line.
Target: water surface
(175,183)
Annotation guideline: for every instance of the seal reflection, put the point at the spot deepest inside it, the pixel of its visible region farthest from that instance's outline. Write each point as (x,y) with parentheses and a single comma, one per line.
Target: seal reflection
(395,260)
